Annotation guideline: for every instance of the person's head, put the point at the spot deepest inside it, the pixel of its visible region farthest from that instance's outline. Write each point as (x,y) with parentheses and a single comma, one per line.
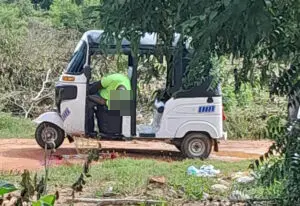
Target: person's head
(121,87)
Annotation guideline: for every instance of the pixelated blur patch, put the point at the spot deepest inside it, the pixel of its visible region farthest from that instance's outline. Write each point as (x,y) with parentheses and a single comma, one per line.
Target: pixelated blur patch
(121,100)
(120,95)
(124,106)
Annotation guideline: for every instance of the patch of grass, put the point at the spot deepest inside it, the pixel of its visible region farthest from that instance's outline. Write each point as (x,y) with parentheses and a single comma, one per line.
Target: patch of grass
(15,127)
(273,191)
(129,176)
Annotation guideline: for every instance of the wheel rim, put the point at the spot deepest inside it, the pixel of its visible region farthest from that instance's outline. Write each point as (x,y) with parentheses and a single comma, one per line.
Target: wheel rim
(49,134)
(197,147)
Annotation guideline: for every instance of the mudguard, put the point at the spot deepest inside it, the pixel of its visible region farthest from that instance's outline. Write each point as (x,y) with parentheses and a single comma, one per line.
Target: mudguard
(52,117)
(197,126)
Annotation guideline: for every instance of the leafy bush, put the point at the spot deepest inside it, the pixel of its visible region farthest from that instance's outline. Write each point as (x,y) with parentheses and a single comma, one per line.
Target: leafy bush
(66,13)
(45,4)
(249,109)
(33,37)
(254,120)
(72,14)
(278,176)
(32,56)
(6,188)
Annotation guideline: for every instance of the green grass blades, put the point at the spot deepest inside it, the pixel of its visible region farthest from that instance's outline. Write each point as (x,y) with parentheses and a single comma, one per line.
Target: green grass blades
(6,188)
(15,127)
(47,200)
(130,177)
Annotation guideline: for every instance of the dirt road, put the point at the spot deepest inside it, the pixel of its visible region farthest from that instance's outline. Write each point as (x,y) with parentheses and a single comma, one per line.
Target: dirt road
(19,154)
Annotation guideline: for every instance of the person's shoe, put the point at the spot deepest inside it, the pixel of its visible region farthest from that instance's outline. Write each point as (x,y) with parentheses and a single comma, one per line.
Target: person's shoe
(92,134)
(105,136)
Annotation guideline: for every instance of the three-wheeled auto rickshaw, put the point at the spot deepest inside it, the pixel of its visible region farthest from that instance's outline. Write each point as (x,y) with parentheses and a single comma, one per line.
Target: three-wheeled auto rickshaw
(191,119)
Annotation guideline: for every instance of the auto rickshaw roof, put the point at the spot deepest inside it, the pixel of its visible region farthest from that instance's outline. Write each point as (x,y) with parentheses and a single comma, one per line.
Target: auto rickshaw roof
(148,42)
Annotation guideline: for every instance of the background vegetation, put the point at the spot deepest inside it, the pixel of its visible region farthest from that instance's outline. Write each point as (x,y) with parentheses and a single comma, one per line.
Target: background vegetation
(38,37)
(258,38)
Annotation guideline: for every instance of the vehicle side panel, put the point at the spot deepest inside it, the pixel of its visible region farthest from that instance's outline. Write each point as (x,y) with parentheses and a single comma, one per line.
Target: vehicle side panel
(184,115)
(73,111)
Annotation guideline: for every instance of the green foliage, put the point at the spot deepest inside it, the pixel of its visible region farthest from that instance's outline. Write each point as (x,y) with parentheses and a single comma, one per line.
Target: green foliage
(255,120)
(264,192)
(66,14)
(6,188)
(27,186)
(27,192)
(260,33)
(280,174)
(45,4)
(33,43)
(26,7)
(130,176)
(15,127)
(275,127)
(71,14)
(47,200)
(250,113)
(11,19)
(244,30)
(37,38)
(292,164)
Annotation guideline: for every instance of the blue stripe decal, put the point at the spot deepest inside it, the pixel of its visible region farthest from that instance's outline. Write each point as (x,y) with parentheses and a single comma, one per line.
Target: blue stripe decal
(206,109)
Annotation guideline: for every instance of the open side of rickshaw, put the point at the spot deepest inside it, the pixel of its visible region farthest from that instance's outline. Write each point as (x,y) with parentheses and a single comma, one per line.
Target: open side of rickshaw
(192,120)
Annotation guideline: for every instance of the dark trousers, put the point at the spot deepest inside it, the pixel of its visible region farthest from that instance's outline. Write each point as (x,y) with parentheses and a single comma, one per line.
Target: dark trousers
(109,122)
(98,111)
(90,122)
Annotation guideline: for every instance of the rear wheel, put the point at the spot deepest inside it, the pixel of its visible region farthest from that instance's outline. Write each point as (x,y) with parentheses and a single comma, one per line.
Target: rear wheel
(196,145)
(46,133)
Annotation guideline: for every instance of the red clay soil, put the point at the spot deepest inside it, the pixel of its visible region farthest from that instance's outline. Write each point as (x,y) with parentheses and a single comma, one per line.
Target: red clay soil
(20,154)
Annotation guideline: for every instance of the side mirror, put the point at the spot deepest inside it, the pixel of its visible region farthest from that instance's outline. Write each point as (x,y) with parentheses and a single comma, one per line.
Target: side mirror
(87,72)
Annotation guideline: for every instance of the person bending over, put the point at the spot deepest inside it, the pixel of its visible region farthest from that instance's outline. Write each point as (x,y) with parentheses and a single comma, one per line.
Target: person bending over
(100,94)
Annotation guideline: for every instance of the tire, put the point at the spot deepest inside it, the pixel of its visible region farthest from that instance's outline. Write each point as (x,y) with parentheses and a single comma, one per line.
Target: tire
(196,145)
(53,131)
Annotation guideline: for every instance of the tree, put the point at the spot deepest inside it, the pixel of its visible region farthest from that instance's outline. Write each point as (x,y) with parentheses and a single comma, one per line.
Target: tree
(261,32)
(264,34)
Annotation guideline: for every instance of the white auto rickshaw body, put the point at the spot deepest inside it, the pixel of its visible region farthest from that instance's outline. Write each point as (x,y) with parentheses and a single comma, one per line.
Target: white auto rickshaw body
(183,115)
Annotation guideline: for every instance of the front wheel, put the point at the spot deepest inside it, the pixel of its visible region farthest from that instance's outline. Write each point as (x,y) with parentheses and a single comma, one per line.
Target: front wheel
(46,133)
(196,145)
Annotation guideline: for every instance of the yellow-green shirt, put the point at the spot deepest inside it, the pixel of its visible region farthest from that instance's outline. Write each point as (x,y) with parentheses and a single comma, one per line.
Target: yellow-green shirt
(112,82)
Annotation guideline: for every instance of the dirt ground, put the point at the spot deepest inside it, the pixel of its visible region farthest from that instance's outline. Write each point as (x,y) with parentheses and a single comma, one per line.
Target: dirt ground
(20,154)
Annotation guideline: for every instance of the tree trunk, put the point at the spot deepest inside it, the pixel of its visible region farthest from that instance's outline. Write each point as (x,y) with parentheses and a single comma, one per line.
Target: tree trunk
(293,105)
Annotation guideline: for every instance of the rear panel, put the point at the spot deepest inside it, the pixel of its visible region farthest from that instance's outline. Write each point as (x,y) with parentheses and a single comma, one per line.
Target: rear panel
(192,114)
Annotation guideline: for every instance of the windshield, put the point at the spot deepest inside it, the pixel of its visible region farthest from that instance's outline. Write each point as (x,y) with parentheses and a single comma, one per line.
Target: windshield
(78,59)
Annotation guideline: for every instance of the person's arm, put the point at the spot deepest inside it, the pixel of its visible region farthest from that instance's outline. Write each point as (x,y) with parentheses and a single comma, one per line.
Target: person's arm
(101,100)
(95,87)
(97,99)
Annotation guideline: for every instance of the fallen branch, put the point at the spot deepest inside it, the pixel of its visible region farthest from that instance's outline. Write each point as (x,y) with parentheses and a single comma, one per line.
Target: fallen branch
(43,86)
(114,201)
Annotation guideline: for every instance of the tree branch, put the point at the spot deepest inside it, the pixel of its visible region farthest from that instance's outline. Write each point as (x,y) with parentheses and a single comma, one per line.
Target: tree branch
(114,201)
(43,86)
